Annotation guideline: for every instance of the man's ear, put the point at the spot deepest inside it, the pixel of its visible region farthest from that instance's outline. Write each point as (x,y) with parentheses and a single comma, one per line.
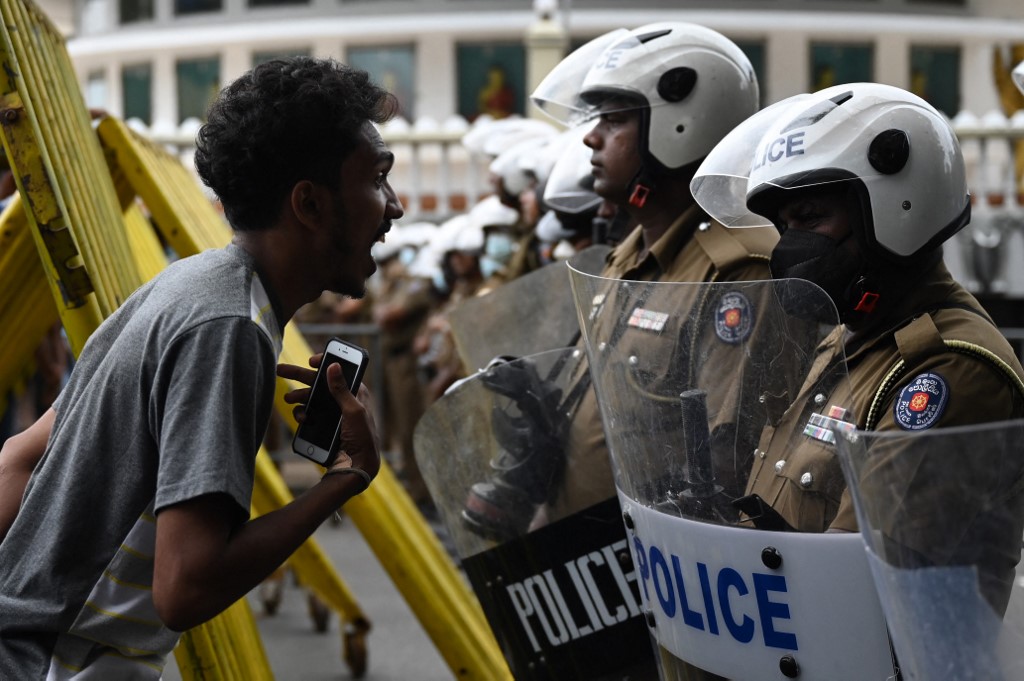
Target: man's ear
(307,202)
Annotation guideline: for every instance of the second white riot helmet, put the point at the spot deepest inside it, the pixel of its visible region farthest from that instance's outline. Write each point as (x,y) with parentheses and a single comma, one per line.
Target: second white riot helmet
(901,154)
(693,83)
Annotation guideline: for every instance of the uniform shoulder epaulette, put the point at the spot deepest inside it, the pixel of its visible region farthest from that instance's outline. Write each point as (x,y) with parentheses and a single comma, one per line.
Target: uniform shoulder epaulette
(920,339)
(728,248)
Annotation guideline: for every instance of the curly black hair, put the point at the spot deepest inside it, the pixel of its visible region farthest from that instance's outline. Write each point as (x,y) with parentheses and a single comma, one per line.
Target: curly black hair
(284,121)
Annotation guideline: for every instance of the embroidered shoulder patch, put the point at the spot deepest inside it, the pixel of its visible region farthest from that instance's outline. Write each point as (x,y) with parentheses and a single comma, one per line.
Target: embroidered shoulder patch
(734,317)
(921,403)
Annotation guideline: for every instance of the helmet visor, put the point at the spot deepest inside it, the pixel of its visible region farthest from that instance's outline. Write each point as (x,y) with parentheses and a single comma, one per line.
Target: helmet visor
(721,182)
(803,141)
(558,95)
(570,187)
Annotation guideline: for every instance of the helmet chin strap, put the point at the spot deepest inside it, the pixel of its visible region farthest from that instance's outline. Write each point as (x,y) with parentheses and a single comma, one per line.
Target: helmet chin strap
(868,298)
(864,296)
(640,188)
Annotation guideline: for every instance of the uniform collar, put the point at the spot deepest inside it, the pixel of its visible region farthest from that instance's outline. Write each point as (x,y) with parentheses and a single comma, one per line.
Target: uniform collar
(929,290)
(663,251)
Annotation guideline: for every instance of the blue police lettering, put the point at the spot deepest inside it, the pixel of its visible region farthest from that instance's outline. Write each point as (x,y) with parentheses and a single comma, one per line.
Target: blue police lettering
(610,60)
(779,148)
(545,608)
(726,592)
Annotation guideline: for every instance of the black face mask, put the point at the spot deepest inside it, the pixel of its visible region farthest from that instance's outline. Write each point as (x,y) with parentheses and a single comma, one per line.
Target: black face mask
(818,259)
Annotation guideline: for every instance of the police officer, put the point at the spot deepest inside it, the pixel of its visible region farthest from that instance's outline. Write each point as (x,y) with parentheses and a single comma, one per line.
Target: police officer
(402,304)
(662,95)
(864,183)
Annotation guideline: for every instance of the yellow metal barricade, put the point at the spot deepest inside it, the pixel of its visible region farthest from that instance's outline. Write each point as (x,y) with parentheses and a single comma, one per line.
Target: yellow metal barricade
(26,306)
(385,515)
(82,253)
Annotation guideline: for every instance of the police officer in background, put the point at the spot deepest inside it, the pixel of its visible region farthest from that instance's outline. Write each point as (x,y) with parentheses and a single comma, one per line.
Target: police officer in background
(403,303)
(662,96)
(864,183)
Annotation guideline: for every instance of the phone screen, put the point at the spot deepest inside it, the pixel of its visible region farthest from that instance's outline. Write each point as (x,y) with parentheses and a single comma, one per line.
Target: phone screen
(322,411)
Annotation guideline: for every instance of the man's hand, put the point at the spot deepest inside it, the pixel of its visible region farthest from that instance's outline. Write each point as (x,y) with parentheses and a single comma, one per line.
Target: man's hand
(359,441)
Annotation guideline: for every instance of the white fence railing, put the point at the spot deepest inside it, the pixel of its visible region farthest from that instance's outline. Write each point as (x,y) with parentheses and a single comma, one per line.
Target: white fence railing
(988,254)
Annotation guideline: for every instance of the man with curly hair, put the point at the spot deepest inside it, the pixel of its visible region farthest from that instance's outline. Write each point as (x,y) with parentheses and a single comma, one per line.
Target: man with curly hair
(134,525)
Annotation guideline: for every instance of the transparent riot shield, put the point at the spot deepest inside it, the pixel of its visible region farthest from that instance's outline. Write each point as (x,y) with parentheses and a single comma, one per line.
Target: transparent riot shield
(687,378)
(562,599)
(942,514)
(531,314)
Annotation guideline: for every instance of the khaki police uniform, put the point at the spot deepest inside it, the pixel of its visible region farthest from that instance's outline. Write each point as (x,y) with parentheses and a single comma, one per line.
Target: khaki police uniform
(942,362)
(403,389)
(693,249)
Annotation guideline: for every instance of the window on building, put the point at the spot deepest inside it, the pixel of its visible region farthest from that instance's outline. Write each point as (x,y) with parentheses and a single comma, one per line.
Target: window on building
(96,89)
(935,77)
(137,92)
(835,64)
(135,10)
(198,83)
(196,6)
(393,68)
(491,79)
(755,52)
(264,56)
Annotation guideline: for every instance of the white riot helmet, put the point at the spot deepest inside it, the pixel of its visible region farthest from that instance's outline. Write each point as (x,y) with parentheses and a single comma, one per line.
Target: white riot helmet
(570,186)
(693,84)
(901,154)
(491,212)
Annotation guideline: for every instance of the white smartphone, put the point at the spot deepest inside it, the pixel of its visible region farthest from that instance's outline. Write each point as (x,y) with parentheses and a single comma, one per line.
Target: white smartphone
(317,437)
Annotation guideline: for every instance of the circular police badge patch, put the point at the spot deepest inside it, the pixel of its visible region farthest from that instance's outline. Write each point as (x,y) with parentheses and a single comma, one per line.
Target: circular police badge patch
(734,317)
(921,403)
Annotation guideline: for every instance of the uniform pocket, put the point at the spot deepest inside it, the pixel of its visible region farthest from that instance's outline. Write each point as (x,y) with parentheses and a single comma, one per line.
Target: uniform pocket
(811,486)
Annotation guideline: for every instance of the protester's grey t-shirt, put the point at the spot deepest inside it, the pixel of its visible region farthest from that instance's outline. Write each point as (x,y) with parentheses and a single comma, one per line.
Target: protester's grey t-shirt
(169,400)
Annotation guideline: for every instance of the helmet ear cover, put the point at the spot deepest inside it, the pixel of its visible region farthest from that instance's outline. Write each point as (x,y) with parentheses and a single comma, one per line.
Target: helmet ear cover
(889,152)
(676,84)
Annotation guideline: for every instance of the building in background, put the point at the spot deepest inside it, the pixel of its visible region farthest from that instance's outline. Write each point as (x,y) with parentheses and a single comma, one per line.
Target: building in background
(161,60)
(450,61)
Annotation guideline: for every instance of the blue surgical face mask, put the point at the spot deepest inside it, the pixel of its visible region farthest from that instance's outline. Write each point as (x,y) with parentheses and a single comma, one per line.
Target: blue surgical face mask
(489,266)
(440,283)
(407,255)
(500,247)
